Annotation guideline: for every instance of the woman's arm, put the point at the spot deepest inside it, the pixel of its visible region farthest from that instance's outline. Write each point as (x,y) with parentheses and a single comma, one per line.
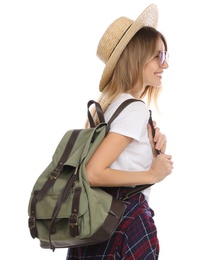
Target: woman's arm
(99,173)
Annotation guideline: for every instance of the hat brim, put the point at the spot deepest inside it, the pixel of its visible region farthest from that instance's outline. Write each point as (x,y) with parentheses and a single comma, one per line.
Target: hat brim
(149,17)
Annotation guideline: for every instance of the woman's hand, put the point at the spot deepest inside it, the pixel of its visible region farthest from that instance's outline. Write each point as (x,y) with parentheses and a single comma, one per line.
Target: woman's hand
(159,141)
(162,164)
(161,167)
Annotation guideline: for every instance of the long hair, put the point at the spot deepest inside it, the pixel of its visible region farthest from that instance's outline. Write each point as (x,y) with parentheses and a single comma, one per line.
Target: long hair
(129,69)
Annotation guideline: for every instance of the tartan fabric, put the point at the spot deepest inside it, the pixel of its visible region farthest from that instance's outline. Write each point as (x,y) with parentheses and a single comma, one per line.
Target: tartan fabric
(134,239)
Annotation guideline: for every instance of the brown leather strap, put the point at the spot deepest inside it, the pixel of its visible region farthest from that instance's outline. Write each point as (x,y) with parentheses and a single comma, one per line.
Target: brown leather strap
(99,112)
(135,191)
(153,129)
(55,173)
(32,221)
(73,220)
(64,194)
(121,107)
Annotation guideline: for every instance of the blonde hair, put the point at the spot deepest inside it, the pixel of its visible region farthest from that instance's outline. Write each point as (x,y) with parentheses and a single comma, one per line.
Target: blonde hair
(129,69)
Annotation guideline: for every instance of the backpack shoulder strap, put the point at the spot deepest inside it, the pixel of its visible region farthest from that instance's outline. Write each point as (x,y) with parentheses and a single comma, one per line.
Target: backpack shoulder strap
(125,104)
(121,107)
(137,188)
(99,112)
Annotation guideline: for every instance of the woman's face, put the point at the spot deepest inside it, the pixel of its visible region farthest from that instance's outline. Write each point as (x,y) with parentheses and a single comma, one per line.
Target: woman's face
(154,68)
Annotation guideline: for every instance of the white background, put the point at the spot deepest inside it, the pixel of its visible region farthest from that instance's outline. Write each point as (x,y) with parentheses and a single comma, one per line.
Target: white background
(48,72)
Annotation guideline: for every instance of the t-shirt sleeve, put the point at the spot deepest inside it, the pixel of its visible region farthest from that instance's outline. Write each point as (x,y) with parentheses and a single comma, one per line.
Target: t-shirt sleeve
(131,121)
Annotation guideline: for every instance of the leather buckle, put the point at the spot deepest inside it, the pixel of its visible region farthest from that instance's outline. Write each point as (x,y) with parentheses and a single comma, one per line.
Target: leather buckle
(32,223)
(73,220)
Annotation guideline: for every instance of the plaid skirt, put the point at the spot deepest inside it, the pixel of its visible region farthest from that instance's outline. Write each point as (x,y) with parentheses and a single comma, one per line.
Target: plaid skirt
(134,239)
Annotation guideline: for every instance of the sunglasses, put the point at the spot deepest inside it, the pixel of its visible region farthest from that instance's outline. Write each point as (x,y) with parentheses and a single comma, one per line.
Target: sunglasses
(163,56)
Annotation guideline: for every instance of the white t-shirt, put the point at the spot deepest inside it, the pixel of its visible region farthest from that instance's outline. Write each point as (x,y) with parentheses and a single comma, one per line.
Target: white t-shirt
(132,122)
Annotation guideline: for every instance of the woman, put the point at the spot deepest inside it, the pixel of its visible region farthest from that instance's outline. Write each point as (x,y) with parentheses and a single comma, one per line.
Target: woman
(135,54)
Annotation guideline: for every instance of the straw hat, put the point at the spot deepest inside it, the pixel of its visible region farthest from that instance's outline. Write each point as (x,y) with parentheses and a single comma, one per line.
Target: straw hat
(118,35)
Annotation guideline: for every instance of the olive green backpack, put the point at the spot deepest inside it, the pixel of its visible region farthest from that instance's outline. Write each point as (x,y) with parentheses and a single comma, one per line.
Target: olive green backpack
(64,211)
